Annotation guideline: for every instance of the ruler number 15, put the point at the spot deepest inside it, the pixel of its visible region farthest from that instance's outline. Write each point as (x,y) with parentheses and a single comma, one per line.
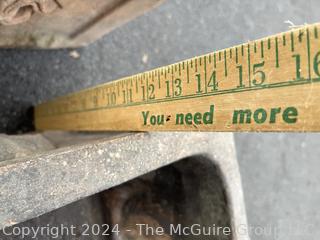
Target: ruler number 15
(259,75)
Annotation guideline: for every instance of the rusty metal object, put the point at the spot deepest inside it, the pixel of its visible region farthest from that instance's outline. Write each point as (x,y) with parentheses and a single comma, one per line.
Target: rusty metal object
(64,23)
(19,11)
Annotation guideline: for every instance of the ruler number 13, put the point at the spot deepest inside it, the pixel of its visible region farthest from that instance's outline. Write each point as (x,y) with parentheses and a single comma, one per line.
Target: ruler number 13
(176,87)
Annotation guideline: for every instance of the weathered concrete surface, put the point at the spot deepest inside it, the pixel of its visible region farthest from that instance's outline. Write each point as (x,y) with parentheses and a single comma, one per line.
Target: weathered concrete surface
(185,192)
(20,146)
(281,178)
(47,181)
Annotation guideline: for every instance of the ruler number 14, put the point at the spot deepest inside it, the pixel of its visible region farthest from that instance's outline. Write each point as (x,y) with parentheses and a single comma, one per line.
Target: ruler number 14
(212,83)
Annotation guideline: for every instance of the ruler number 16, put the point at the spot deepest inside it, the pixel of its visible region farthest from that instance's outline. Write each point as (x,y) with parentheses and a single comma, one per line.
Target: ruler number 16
(316,65)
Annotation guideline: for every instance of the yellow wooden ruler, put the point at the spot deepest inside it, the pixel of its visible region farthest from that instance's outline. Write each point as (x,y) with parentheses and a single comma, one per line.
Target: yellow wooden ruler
(272,84)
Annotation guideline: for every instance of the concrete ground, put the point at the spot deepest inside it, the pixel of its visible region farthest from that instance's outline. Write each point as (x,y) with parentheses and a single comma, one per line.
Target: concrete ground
(280,171)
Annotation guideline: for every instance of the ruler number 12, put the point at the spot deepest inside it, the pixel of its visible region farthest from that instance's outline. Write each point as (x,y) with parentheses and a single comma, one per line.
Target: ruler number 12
(149,93)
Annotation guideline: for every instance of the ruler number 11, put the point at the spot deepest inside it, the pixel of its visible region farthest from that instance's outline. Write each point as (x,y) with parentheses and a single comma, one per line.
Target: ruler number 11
(127,96)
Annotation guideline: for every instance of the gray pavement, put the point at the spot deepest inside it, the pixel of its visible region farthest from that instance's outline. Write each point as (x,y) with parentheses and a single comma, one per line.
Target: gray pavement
(280,172)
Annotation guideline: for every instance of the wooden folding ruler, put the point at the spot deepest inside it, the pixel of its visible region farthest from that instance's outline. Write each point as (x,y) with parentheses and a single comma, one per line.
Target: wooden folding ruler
(272,84)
